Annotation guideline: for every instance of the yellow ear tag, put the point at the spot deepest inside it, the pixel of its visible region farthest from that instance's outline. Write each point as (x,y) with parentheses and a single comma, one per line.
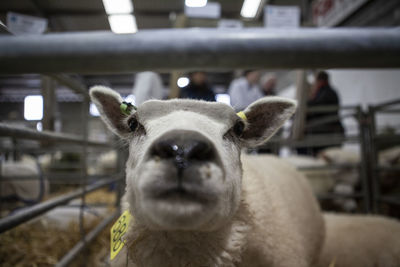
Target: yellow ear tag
(117,233)
(242,115)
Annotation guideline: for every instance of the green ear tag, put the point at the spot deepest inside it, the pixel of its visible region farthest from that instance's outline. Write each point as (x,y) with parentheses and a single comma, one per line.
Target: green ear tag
(126,108)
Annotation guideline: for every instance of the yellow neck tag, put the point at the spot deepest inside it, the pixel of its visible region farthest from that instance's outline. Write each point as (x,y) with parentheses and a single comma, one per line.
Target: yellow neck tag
(118,231)
(242,115)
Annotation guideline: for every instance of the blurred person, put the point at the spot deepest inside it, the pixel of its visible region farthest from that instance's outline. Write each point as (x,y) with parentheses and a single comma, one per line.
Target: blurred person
(322,94)
(198,87)
(268,84)
(245,90)
(148,85)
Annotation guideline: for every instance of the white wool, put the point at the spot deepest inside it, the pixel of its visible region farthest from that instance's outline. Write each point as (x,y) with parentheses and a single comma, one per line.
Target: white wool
(361,241)
(268,229)
(24,189)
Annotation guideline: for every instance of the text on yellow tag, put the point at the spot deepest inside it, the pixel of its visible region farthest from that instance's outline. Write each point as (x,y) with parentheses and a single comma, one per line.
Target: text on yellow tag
(118,231)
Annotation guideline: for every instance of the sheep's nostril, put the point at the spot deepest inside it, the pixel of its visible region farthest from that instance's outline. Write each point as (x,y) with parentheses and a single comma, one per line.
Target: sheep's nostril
(164,149)
(199,150)
(183,148)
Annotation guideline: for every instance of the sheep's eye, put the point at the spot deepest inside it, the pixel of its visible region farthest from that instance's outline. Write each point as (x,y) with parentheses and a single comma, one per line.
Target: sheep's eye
(238,128)
(133,124)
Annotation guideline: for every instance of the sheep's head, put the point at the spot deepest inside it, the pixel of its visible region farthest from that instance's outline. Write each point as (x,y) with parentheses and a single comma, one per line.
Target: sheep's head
(184,170)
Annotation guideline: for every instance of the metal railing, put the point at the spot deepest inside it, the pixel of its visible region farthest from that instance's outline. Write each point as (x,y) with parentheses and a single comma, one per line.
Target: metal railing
(26,133)
(378,140)
(325,140)
(190,49)
(14,220)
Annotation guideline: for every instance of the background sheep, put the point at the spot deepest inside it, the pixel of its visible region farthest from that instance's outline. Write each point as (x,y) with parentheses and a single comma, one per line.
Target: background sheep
(360,241)
(184,178)
(19,190)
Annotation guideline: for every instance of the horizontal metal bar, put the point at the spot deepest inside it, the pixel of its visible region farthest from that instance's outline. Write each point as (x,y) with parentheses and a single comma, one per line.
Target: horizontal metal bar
(70,256)
(333,196)
(387,168)
(387,104)
(330,108)
(50,149)
(387,111)
(395,200)
(71,83)
(313,141)
(61,78)
(26,133)
(191,49)
(323,120)
(387,139)
(12,221)
(328,167)
(73,177)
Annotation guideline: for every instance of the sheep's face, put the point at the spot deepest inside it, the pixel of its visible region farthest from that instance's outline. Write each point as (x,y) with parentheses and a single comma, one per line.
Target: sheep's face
(184,171)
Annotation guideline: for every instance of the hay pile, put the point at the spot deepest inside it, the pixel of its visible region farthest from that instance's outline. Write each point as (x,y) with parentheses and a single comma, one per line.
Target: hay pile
(42,244)
(39,244)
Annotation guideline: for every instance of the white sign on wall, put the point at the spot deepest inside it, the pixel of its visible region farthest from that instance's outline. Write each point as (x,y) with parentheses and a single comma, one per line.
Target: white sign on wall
(20,24)
(211,11)
(328,13)
(281,16)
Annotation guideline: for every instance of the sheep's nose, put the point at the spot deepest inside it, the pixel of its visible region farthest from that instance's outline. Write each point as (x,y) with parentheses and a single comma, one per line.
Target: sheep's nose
(183,147)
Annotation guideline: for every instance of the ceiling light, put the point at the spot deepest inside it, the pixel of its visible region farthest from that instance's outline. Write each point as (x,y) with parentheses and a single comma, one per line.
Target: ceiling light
(250,8)
(183,81)
(118,6)
(122,23)
(33,107)
(195,3)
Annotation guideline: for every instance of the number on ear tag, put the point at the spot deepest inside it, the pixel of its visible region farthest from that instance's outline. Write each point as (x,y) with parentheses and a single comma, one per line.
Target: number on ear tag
(117,233)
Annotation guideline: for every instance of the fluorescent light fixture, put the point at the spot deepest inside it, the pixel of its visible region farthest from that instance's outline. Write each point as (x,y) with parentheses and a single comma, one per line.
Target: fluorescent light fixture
(250,8)
(130,99)
(182,82)
(195,3)
(33,107)
(93,110)
(223,98)
(118,6)
(122,23)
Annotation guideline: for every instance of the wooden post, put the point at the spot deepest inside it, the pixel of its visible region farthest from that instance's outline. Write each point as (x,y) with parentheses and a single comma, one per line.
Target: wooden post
(302,92)
(49,103)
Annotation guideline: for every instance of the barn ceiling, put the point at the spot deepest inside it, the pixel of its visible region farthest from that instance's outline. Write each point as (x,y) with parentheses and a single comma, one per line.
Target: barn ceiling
(89,15)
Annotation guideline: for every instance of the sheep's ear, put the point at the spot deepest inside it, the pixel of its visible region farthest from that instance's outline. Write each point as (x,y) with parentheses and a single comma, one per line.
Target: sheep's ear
(108,103)
(264,117)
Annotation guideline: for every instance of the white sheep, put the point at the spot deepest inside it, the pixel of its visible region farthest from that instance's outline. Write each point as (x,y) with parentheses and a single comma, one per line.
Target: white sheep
(360,241)
(194,203)
(29,190)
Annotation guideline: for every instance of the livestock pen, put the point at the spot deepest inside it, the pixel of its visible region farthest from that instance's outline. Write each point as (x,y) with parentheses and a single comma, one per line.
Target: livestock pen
(56,55)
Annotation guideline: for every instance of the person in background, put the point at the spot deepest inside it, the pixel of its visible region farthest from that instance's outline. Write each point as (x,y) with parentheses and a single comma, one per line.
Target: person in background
(148,85)
(322,94)
(268,84)
(245,90)
(198,87)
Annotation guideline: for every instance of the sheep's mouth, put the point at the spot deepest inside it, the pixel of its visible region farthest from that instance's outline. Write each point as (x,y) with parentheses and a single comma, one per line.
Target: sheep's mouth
(180,193)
